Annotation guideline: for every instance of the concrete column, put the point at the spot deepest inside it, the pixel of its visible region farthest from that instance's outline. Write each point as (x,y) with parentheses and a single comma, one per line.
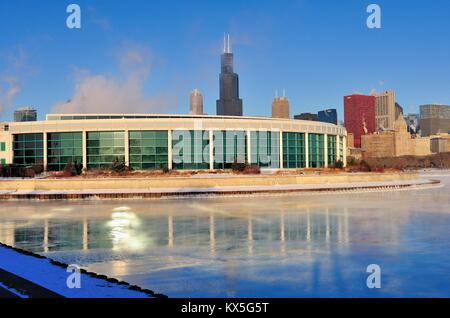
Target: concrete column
(169,150)
(84,142)
(338,147)
(325,152)
(307,150)
(10,150)
(281,150)
(127,148)
(45,150)
(249,148)
(211,150)
(344,144)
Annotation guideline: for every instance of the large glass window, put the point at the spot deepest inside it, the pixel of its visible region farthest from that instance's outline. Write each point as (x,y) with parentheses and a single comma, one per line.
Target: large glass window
(316,150)
(229,147)
(28,149)
(63,148)
(148,149)
(341,148)
(294,155)
(190,149)
(104,147)
(332,155)
(265,149)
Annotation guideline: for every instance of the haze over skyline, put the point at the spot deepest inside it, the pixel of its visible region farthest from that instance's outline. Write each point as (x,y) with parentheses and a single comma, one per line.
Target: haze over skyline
(147,57)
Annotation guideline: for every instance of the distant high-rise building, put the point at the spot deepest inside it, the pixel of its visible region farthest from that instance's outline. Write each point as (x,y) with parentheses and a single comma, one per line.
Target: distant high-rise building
(229,103)
(307,116)
(434,119)
(25,114)
(328,116)
(359,116)
(280,107)
(196,103)
(398,111)
(385,110)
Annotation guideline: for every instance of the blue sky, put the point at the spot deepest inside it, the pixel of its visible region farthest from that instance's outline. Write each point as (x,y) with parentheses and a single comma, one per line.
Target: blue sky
(146,56)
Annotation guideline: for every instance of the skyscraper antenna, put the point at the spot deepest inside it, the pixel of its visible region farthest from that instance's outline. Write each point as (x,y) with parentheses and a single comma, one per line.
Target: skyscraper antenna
(224,43)
(229,44)
(284,92)
(276,93)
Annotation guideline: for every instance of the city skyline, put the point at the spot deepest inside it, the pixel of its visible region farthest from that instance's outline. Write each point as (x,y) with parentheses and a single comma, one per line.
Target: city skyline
(326,52)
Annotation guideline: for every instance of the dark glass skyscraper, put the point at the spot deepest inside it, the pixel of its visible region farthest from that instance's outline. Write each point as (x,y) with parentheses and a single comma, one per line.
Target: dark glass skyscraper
(328,116)
(229,103)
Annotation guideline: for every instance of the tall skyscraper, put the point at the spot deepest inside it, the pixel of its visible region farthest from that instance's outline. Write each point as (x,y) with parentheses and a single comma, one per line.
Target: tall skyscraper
(196,103)
(434,119)
(328,116)
(229,103)
(359,116)
(280,107)
(25,114)
(385,110)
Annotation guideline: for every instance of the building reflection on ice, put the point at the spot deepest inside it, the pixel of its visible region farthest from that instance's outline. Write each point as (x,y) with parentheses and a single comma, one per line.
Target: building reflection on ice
(240,233)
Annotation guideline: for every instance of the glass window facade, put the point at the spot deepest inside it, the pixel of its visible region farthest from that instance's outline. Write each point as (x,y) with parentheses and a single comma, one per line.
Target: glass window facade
(28,149)
(341,148)
(190,149)
(103,148)
(294,155)
(229,147)
(63,148)
(148,150)
(316,150)
(332,155)
(265,149)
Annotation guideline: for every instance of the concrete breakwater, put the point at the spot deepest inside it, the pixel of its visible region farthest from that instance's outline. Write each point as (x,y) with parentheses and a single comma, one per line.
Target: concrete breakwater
(197,181)
(207,186)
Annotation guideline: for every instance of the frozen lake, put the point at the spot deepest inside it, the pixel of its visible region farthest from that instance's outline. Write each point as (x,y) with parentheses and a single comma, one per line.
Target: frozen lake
(266,246)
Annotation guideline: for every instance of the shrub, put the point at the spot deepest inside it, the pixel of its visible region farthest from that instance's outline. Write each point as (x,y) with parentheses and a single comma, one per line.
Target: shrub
(339,164)
(118,166)
(364,166)
(252,169)
(70,170)
(165,169)
(13,171)
(238,167)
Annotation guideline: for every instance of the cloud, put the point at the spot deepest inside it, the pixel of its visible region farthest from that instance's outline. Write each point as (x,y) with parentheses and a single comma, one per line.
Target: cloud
(101,94)
(14,70)
(100,21)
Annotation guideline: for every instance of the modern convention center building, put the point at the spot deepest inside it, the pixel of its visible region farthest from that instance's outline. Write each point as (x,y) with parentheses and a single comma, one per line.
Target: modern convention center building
(183,142)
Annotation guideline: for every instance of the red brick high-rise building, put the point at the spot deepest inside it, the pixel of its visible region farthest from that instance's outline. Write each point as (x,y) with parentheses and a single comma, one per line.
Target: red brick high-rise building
(359,116)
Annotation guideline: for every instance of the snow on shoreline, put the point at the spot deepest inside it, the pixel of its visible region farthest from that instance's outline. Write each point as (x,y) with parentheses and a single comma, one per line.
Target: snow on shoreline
(53,276)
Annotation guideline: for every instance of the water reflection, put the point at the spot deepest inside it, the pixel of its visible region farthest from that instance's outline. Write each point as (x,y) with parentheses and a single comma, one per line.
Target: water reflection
(294,245)
(136,229)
